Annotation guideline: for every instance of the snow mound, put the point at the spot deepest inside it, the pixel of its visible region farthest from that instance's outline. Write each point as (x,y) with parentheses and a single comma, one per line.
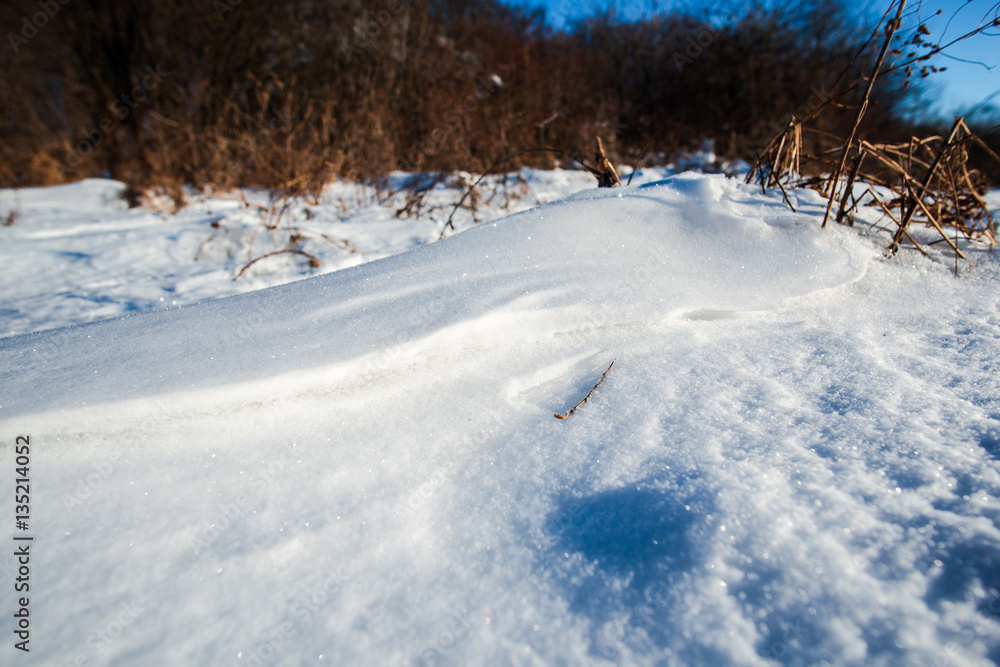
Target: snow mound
(364,468)
(692,245)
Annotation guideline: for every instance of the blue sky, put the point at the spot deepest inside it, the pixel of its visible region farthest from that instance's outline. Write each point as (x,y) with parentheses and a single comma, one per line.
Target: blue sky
(967,81)
(973,73)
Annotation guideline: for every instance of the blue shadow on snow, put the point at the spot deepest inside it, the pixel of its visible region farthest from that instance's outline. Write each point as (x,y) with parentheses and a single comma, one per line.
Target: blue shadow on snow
(625,549)
(630,533)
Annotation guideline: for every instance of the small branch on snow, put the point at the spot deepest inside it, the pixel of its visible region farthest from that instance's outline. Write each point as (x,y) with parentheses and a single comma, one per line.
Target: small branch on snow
(313,260)
(587,397)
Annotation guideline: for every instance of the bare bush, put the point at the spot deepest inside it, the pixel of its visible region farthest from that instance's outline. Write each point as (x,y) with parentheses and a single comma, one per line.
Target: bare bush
(290,95)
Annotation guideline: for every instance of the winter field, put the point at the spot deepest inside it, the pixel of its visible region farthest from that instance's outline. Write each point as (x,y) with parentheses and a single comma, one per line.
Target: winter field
(795,459)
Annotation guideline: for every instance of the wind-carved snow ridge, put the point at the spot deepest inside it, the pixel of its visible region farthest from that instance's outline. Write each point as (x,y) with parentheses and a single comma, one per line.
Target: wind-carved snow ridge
(792,461)
(596,262)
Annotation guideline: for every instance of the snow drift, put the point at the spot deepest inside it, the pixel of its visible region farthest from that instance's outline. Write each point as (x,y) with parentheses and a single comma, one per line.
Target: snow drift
(794,459)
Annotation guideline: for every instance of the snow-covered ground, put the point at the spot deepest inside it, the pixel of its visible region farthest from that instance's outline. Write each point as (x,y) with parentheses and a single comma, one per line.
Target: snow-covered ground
(794,460)
(77,253)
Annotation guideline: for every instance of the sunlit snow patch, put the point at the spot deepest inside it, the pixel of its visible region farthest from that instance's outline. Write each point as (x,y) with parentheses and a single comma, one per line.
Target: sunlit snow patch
(365,465)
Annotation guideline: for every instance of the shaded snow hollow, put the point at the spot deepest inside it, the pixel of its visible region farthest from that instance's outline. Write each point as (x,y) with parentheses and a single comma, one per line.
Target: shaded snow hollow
(794,459)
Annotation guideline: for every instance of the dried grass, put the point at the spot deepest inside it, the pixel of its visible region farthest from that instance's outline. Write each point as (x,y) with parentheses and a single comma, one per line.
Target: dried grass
(926,181)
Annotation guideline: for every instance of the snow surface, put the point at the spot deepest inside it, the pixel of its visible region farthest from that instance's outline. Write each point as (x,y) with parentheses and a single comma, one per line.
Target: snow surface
(77,253)
(794,460)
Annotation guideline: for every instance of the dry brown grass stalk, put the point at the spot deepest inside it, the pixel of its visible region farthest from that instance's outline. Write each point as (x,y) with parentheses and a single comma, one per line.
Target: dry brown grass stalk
(587,397)
(932,180)
(931,184)
(313,260)
(929,180)
(926,181)
(607,177)
(890,30)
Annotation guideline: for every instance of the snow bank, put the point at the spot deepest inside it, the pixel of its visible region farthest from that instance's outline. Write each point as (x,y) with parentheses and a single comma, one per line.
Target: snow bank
(77,254)
(590,263)
(794,459)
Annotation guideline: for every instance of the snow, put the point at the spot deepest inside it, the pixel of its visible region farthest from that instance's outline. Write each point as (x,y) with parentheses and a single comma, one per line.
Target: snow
(794,459)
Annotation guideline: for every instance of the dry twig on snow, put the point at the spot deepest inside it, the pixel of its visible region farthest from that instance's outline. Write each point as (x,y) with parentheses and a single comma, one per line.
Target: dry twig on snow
(587,397)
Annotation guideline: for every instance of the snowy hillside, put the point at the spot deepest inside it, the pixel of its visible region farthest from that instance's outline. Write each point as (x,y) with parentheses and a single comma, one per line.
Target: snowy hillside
(794,460)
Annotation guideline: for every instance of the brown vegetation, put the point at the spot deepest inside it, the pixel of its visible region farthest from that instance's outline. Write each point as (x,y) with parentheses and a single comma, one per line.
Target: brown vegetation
(289,95)
(930,181)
